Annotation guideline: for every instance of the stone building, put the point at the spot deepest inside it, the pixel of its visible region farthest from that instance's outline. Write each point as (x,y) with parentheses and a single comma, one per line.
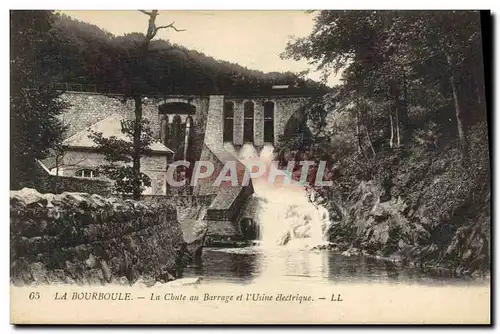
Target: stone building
(81,158)
(193,128)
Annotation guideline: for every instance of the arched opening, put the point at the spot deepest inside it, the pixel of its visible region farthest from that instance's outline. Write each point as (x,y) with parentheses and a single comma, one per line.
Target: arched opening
(248,108)
(177,108)
(228,121)
(164,129)
(269,122)
(176,137)
(173,116)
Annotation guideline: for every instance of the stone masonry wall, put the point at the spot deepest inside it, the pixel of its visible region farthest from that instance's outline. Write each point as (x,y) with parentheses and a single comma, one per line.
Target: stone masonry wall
(86,109)
(284,107)
(89,239)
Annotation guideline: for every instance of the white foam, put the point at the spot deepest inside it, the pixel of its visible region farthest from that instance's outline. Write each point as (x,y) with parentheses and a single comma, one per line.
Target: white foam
(283,212)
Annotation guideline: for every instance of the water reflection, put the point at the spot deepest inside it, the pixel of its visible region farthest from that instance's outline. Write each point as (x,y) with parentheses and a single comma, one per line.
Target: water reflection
(257,264)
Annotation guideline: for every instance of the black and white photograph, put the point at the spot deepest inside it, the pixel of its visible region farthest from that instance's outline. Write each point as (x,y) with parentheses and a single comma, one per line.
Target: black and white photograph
(250,166)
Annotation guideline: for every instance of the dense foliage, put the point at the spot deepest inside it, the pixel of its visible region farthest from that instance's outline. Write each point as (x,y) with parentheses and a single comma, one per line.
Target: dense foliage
(407,127)
(119,155)
(83,53)
(34,106)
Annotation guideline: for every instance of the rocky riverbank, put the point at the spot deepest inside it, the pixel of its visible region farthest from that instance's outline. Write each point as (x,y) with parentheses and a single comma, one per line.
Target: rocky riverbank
(433,216)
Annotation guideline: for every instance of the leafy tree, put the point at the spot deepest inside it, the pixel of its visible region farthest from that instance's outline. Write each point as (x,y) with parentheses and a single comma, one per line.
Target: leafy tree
(119,154)
(396,60)
(409,115)
(34,126)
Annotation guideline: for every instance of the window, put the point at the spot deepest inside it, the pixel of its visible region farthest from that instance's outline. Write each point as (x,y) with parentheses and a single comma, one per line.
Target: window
(228,121)
(269,122)
(176,138)
(164,130)
(248,108)
(87,173)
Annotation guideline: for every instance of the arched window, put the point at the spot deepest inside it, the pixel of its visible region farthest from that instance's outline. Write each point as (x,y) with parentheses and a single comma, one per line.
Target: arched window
(86,172)
(176,138)
(269,122)
(248,108)
(164,130)
(228,121)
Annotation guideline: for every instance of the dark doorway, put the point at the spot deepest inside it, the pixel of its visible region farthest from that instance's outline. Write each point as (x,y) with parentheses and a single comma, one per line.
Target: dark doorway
(248,108)
(269,122)
(228,121)
(249,229)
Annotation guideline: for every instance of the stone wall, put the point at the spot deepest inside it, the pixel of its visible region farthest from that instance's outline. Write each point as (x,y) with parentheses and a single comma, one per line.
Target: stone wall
(89,239)
(89,108)
(86,109)
(284,108)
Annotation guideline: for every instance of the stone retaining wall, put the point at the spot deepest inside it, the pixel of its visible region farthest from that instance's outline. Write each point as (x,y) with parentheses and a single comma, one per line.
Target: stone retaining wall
(89,239)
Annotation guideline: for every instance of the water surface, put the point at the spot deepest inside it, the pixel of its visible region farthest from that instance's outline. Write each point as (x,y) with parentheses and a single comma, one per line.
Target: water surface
(286,264)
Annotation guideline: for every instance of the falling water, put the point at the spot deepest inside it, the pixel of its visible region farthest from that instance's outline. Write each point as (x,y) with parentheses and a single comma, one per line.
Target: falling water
(283,212)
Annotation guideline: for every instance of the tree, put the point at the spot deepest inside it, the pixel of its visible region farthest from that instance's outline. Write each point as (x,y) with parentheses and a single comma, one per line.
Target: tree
(34,125)
(137,93)
(401,59)
(119,153)
(135,85)
(85,54)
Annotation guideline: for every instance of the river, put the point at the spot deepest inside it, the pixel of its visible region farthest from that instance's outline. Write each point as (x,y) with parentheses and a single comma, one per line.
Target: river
(289,227)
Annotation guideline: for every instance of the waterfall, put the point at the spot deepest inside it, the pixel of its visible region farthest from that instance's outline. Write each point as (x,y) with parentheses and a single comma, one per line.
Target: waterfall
(284,214)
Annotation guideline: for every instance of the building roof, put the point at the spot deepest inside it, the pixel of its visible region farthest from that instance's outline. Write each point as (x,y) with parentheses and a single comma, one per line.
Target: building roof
(109,127)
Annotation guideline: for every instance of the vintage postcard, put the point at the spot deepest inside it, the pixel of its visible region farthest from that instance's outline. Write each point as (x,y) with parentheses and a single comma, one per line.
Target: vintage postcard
(249,167)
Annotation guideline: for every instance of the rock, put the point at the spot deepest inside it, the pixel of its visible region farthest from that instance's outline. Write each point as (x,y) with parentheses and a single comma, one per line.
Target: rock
(91,261)
(140,283)
(185,281)
(106,271)
(284,239)
(346,253)
(149,281)
(124,281)
(27,197)
(95,277)
(39,273)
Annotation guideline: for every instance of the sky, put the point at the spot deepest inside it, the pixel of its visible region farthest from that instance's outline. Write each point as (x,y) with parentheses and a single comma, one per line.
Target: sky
(253,39)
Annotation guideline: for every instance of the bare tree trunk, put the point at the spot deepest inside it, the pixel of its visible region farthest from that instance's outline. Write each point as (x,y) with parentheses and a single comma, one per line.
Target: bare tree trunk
(404,116)
(136,159)
(358,134)
(398,131)
(391,119)
(137,94)
(461,126)
(368,134)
